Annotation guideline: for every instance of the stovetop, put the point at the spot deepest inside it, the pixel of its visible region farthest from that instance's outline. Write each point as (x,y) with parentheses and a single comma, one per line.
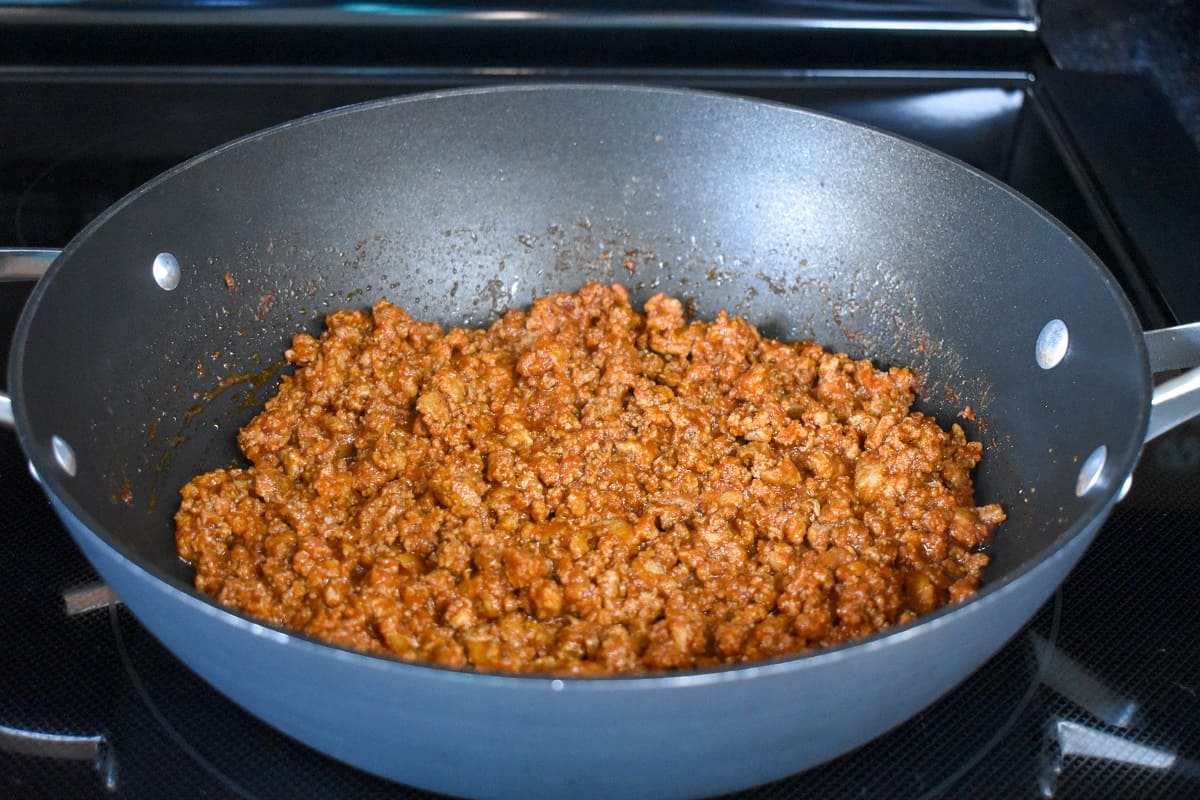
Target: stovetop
(1099,696)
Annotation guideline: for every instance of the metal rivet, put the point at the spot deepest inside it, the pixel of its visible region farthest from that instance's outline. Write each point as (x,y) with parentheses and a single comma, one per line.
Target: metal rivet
(166,271)
(64,456)
(1125,487)
(1089,473)
(556,685)
(1052,344)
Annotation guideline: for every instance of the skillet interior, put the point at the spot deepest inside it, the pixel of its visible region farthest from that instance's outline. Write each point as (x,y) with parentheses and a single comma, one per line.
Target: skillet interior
(459,206)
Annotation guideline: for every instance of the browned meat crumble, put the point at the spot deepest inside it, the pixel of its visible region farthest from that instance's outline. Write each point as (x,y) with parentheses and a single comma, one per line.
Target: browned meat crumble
(585,489)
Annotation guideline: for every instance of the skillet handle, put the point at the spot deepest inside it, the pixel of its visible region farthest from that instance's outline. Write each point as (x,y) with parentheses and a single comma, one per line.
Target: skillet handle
(21,264)
(1176,400)
(25,264)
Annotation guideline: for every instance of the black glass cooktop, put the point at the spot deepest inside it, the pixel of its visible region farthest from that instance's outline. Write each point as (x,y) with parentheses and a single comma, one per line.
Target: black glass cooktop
(1098,697)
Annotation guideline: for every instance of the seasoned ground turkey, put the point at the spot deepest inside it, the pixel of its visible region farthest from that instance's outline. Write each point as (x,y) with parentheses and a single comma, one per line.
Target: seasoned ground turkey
(585,489)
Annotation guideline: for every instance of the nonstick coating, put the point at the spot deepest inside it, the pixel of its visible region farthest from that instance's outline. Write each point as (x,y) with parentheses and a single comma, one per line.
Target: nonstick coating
(459,205)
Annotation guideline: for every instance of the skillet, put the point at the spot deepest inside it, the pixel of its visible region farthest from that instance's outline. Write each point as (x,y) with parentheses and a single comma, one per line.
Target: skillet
(143,348)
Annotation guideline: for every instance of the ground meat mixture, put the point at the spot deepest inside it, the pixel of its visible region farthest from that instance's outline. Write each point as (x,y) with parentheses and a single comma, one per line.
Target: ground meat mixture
(585,489)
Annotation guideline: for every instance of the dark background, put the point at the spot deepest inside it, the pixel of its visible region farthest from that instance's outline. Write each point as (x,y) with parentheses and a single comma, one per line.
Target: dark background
(1160,38)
